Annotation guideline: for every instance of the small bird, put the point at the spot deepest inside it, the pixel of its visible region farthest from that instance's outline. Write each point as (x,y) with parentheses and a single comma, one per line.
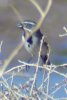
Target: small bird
(32,41)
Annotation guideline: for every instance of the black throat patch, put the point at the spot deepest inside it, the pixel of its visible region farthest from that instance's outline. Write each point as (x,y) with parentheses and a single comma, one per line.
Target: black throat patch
(29,40)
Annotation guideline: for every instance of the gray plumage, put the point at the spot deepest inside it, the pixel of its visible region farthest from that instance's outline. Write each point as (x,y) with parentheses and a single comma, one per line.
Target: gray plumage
(32,44)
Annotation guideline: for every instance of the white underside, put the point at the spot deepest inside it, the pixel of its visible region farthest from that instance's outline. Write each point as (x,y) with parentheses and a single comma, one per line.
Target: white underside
(32,48)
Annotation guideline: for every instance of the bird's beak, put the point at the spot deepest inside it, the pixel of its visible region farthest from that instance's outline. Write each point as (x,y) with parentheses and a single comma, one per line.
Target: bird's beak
(20,25)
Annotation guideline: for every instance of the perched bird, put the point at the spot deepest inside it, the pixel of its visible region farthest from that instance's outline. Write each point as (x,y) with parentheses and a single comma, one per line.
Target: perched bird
(32,41)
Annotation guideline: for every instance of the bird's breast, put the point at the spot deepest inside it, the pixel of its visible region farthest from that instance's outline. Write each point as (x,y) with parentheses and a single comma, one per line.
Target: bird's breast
(31,44)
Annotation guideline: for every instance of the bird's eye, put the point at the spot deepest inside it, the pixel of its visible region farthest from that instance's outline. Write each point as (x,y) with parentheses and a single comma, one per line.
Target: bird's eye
(29,26)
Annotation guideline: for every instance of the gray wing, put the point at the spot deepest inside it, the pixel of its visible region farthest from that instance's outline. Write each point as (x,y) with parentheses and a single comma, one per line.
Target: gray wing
(39,34)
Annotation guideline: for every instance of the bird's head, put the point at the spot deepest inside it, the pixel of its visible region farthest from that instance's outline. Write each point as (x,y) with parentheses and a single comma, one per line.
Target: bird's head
(26,27)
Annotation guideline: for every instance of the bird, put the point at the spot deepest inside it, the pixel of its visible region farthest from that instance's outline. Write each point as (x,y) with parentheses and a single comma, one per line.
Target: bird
(32,41)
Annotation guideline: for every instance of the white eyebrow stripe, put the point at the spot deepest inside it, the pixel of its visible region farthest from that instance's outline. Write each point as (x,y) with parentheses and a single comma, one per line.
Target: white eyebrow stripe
(29,23)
